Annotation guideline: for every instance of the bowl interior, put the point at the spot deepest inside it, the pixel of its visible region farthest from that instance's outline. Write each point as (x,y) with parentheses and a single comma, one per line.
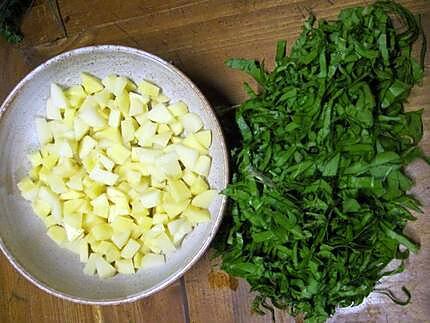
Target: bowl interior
(23,235)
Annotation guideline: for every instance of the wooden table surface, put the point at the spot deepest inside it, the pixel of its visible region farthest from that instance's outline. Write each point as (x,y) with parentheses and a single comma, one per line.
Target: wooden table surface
(197,36)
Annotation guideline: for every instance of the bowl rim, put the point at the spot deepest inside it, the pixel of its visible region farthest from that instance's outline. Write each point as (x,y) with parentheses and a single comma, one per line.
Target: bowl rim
(179,273)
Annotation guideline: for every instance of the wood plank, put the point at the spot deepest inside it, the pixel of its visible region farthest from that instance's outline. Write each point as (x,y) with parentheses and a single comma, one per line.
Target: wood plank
(165,306)
(39,25)
(21,301)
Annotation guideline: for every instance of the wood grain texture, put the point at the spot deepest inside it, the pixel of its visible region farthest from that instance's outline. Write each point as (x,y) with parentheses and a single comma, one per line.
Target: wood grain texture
(197,36)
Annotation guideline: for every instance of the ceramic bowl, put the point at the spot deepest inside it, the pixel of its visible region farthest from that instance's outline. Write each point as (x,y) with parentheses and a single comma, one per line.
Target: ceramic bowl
(23,237)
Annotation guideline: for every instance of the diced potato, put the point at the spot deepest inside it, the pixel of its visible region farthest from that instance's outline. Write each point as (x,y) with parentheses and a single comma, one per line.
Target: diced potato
(43,131)
(101,206)
(138,209)
(176,127)
(60,130)
(127,130)
(103,98)
(204,199)
(118,153)
(160,243)
(73,233)
(130,249)
(203,165)
(178,229)
(83,251)
(90,113)
(87,144)
(107,163)
(52,199)
(191,122)
(161,139)
(174,208)
(148,88)
(169,164)
(178,109)
(141,118)
(71,195)
(123,224)
(196,215)
(160,218)
(151,198)
(58,99)
(125,266)
(138,104)
(80,128)
(161,98)
(189,177)
(137,260)
(192,142)
(71,207)
(102,231)
(163,128)
(41,208)
(120,238)
(145,155)
(103,176)
(122,100)
(90,83)
(188,156)
(104,269)
(114,194)
(75,182)
(151,260)
(110,134)
(93,189)
(57,233)
(199,185)
(76,91)
(29,190)
(56,184)
(52,112)
(114,118)
(159,113)
(90,266)
(145,133)
(69,117)
(178,190)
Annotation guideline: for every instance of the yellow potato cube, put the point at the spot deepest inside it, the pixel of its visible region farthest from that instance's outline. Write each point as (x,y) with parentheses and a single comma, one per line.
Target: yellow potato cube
(130,249)
(203,165)
(178,190)
(91,83)
(125,266)
(196,215)
(148,88)
(118,153)
(57,233)
(120,238)
(102,231)
(178,109)
(104,269)
(100,206)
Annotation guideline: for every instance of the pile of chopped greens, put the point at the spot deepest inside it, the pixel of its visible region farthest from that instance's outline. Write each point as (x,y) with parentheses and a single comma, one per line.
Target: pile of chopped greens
(319,195)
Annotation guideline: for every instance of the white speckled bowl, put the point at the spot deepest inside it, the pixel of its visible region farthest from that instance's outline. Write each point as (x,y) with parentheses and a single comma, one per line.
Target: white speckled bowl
(22,234)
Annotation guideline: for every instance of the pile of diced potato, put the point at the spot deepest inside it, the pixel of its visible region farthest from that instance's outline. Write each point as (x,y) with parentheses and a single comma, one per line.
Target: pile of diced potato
(121,174)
